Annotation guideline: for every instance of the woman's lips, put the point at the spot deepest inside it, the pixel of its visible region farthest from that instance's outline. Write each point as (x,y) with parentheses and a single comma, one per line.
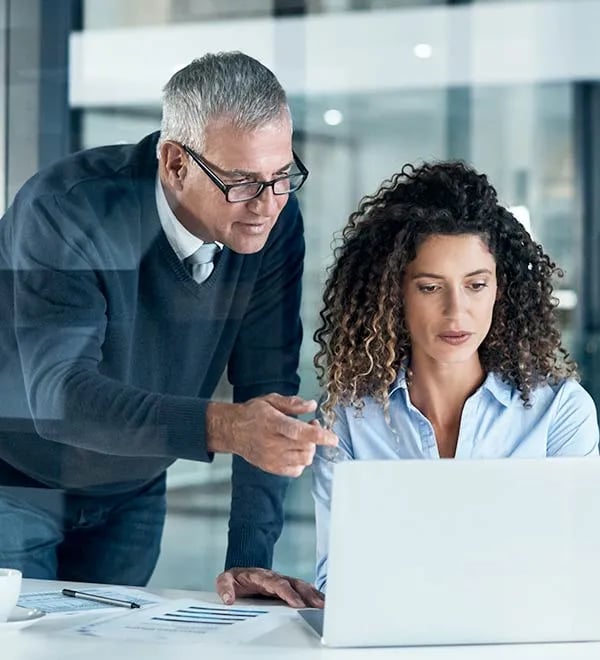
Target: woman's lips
(455,338)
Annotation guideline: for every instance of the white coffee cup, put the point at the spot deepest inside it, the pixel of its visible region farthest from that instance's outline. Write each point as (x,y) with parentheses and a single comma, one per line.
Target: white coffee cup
(10,589)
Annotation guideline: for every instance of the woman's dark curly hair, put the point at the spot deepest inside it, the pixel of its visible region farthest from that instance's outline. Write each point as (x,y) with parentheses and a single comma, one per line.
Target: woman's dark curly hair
(363,338)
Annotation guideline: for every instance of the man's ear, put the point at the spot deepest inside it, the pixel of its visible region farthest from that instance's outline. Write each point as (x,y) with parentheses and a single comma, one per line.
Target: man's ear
(173,164)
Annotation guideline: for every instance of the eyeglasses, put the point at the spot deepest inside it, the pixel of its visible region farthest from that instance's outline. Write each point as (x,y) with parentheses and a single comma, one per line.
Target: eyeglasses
(242,192)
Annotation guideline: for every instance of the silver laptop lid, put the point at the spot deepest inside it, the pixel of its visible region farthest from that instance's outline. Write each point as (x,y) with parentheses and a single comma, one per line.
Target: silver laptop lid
(455,552)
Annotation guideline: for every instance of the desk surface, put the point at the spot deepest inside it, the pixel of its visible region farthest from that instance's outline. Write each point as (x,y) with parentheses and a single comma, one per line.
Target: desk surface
(291,640)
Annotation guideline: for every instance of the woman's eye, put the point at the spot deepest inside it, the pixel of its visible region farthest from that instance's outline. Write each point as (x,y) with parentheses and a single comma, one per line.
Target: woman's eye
(428,288)
(478,286)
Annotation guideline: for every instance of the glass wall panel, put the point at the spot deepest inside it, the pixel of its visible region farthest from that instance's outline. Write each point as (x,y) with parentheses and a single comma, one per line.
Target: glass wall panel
(110,14)
(381,100)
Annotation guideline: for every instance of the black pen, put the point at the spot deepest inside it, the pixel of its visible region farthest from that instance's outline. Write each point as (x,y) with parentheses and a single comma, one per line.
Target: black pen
(100,599)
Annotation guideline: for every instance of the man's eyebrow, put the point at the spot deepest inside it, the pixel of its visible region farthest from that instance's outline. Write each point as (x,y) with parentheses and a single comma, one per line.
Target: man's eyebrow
(248,173)
(435,276)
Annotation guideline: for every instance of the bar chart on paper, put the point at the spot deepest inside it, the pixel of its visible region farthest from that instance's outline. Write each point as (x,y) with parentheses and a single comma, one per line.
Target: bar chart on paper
(182,620)
(205,618)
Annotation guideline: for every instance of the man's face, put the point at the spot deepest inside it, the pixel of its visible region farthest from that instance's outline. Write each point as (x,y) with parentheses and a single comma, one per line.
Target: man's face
(235,156)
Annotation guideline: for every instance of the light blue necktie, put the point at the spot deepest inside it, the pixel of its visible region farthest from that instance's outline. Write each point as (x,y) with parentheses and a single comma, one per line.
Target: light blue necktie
(200,263)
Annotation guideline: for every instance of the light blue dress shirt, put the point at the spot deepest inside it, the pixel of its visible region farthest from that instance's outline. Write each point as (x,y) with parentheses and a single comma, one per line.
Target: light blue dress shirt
(561,421)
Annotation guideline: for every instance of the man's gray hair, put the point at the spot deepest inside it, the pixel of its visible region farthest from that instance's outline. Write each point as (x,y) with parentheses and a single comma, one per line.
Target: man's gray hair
(229,85)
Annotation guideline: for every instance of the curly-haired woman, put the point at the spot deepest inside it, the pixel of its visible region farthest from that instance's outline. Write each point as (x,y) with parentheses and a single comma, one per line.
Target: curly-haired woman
(439,336)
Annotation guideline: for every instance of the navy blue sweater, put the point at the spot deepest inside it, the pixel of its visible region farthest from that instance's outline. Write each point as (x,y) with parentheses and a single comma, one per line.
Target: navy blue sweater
(110,351)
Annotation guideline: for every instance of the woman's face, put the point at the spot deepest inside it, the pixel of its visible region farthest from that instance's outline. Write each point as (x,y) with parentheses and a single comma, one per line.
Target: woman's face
(449,294)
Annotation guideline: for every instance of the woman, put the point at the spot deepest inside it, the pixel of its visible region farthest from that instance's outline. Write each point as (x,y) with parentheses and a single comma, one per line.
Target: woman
(439,336)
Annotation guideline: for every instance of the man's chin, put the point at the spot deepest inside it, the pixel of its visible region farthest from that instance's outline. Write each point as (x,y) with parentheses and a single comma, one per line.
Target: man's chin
(247,244)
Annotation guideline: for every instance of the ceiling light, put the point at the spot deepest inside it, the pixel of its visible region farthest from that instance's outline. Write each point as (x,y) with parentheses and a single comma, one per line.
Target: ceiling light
(333,117)
(423,51)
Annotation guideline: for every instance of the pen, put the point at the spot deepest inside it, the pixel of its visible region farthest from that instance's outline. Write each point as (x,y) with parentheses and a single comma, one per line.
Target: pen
(100,599)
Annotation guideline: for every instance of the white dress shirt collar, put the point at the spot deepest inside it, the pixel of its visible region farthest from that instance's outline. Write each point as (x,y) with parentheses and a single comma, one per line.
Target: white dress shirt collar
(183,242)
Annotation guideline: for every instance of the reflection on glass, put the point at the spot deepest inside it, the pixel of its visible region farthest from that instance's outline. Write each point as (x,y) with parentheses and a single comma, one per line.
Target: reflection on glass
(520,134)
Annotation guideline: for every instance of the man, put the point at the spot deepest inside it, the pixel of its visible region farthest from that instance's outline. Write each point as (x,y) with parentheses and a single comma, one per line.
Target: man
(117,327)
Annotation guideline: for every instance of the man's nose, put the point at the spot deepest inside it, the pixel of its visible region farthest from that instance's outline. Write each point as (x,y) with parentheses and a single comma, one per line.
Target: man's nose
(267,203)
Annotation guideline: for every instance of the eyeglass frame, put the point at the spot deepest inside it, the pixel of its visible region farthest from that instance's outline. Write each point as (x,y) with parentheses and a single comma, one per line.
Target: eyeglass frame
(226,187)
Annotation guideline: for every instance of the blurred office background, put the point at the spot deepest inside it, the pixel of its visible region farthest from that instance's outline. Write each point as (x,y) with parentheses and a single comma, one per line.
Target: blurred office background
(513,86)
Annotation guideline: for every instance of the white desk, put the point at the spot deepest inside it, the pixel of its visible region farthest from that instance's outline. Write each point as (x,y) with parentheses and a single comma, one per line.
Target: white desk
(292,640)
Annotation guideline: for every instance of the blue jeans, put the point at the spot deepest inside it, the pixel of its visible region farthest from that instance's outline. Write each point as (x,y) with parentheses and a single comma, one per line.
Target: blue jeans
(54,535)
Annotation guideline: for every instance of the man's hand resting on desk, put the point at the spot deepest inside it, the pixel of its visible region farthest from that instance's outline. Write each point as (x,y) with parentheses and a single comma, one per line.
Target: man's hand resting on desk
(248,582)
(262,431)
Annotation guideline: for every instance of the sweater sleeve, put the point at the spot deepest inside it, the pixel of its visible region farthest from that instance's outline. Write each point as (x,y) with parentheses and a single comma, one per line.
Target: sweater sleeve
(60,323)
(265,360)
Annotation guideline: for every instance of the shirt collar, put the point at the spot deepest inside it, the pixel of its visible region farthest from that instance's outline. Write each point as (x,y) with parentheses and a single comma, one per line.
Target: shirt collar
(183,242)
(493,383)
(498,388)
(400,382)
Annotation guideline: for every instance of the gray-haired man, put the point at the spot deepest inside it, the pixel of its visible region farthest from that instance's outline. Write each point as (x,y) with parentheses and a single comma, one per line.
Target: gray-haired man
(128,288)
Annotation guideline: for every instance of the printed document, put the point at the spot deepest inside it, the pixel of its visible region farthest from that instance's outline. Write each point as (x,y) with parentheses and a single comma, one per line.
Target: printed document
(54,602)
(185,620)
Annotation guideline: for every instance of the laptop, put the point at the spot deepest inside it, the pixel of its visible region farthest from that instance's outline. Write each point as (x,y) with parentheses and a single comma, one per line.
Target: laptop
(462,552)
